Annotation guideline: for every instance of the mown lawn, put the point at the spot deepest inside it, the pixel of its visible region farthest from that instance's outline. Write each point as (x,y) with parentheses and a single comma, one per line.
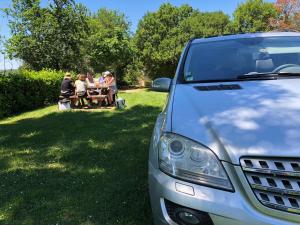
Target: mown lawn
(69,168)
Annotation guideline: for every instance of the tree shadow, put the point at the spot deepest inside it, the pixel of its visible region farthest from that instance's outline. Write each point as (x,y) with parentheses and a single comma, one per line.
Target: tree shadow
(77,168)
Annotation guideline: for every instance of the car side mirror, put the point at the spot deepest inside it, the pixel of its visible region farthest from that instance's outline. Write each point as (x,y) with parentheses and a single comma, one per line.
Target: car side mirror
(161,84)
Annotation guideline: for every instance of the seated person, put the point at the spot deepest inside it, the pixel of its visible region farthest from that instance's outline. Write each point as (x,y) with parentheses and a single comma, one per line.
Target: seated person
(90,80)
(67,86)
(81,89)
(110,82)
(101,80)
(91,85)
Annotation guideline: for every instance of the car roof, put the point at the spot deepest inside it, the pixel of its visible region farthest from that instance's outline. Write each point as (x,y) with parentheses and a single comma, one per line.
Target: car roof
(248,35)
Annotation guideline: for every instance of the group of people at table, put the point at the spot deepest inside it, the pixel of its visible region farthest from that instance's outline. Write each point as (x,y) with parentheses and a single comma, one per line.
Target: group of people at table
(86,87)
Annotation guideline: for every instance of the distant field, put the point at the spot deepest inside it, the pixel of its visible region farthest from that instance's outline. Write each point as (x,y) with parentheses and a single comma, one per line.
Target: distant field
(8,71)
(69,168)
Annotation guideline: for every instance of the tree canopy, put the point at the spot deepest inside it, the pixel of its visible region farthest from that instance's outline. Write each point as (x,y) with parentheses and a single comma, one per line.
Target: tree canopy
(66,36)
(50,37)
(288,15)
(161,35)
(109,45)
(254,16)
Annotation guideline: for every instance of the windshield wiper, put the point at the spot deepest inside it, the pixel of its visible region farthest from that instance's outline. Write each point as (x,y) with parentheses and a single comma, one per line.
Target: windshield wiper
(289,74)
(258,76)
(264,76)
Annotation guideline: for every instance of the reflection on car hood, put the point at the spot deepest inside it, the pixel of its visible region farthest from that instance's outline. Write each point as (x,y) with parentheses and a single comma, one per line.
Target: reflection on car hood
(260,119)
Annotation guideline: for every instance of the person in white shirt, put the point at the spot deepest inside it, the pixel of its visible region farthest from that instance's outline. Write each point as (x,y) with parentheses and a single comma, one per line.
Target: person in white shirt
(81,89)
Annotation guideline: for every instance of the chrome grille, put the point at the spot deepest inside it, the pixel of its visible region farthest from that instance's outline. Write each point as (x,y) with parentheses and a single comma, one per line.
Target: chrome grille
(275,182)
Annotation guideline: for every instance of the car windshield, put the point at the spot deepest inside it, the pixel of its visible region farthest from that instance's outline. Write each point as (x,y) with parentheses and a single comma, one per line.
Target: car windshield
(230,59)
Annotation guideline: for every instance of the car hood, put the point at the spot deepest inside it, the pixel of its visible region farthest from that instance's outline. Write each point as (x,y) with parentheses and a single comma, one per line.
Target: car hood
(262,118)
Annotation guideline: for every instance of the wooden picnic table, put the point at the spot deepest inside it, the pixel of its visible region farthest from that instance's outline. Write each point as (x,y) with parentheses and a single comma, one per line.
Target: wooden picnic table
(99,97)
(99,86)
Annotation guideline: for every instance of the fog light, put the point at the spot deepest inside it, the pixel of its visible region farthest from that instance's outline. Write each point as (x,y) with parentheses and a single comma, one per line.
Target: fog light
(188,218)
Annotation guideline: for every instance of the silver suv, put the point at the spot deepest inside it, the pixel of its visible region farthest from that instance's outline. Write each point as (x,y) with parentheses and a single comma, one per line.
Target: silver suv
(226,148)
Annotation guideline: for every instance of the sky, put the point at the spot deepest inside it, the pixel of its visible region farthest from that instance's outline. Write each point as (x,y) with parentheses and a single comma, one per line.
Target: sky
(133,9)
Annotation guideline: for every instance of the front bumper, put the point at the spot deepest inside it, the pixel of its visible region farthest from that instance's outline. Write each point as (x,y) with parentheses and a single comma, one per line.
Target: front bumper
(224,208)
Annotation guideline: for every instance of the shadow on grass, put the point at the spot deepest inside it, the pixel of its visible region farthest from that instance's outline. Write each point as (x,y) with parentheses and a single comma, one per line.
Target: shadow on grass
(77,168)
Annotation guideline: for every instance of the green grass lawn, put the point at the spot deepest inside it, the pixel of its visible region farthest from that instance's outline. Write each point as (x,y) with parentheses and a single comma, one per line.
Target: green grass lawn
(69,168)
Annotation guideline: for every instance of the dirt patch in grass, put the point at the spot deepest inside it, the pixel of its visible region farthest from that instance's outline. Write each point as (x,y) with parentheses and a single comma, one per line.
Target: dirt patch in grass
(133,90)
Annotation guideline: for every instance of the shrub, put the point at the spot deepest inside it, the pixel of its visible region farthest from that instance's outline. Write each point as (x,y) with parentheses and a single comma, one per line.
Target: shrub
(51,80)
(26,90)
(133,75)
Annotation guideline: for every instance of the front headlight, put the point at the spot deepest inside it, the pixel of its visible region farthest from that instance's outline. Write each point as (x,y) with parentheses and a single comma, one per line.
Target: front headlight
(190,161)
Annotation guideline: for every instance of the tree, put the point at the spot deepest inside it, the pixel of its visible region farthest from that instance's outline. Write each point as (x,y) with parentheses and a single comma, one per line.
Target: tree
(161,35)
(109,45)
(254,16)
(2,53)
(288,15)
(51,37)
(206,24)
(158,40)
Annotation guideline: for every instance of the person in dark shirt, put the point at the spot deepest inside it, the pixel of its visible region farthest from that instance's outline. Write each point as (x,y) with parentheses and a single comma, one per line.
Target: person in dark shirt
(67,86)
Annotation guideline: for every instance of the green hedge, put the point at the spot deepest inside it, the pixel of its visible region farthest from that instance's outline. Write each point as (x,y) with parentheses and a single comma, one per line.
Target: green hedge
(26,90)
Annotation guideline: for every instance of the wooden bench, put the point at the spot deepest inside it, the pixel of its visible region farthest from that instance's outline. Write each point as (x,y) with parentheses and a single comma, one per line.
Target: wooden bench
(99,98)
